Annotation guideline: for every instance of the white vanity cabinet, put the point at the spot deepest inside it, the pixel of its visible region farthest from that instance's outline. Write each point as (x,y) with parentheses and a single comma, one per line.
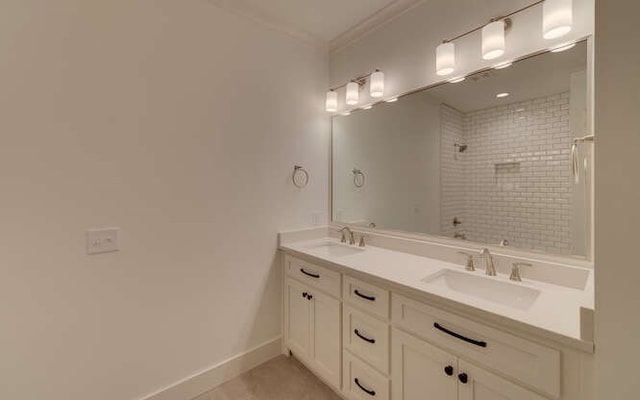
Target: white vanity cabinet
(373,341)
(423,371)
(312,328)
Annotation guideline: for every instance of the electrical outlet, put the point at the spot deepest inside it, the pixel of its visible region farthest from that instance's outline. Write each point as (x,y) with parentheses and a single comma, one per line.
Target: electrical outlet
(102,240)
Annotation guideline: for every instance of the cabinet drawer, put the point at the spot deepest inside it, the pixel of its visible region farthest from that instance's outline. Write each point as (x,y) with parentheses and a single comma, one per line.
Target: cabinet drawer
(313,275)
(366,296)
(367,337)
(529,363)
(361,382)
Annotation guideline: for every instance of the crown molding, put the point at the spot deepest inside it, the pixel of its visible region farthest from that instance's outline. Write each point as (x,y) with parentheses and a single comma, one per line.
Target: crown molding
(269,21)
(371,23)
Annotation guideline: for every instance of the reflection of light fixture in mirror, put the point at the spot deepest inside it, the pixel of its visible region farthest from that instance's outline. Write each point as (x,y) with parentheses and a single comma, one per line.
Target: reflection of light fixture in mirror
(368,107)
(502,95)
(502,65)
(392,100)
(445,58)
(457,80)
(353,93)
(376,84)
(332,101)
(493,43)
(563,47)
(557,18)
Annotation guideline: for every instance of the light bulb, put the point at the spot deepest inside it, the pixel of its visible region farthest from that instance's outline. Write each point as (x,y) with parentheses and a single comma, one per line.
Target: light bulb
(557,18)
(331,104)
(445,59)
(353,94)
(376,84)
(493,43)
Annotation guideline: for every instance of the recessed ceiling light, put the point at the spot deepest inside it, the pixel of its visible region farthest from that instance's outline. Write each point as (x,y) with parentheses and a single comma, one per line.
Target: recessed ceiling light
(563,47)
(393,100)
(346,113)
(367,107)
(457,80)
(502,65)
(502,95)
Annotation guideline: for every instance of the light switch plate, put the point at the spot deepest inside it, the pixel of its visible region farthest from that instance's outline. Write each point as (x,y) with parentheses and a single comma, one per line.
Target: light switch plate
(102,240)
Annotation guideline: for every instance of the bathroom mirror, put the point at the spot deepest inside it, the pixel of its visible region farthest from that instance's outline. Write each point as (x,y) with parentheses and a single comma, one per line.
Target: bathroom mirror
(487,160)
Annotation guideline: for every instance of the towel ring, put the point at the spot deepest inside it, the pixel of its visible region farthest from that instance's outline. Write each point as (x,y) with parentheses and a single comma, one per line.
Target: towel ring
(300,177)
(358,178)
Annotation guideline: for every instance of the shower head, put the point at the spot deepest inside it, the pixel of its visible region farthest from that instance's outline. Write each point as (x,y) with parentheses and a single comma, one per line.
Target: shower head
(461,147)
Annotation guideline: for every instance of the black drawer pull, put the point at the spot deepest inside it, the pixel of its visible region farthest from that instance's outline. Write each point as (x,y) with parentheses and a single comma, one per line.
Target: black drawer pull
(463,378)
(448,370)
(364,389)
(366,339)
(309,273)
(459,336)
(370,298)
(304,294)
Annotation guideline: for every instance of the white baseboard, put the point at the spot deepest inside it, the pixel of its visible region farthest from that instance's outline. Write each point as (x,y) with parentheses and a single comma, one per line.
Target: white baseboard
(192,386)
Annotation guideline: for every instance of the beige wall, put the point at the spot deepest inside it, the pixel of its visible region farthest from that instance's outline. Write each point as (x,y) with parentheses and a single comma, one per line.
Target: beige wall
(178,123)
(617,92)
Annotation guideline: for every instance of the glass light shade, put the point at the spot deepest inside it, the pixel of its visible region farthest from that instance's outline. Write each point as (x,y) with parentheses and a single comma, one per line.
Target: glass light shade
(493,43)
(376,84)
(557,18)
(332,101)
(353,94)
(445,59)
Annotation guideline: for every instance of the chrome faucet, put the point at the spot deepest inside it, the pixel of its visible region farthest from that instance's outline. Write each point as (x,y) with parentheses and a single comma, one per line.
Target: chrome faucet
(491,268)
(352,239)
(469,266)
(515,271)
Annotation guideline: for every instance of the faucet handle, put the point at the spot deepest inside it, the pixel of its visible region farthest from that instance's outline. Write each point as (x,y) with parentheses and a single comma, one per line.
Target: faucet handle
(361,244)
(470,266)
(515,271)
(343,239)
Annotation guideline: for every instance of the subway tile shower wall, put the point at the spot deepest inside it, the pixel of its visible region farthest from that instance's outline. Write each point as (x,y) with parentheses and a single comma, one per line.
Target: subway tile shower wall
(514,181)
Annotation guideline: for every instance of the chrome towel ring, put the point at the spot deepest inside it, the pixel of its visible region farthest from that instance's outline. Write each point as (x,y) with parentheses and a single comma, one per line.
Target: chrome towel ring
(300,177)
(358,178)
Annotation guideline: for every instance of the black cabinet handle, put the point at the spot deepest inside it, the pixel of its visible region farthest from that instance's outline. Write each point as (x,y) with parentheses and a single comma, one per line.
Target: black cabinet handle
(366,339)
(309,274)
(459,336)
(309,296)
(364,389)
(448,370)
(370,298)
(463,378)
(304,294)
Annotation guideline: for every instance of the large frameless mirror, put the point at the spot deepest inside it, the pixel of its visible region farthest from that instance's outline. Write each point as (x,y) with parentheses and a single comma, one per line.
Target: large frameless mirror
(495,159)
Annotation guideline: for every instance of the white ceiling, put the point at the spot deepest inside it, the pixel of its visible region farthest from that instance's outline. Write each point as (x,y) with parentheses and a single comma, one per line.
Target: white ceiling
(323,21)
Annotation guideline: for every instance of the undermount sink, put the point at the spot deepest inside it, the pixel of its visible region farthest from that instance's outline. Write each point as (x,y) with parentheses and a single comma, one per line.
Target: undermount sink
(485,288)
(335,249)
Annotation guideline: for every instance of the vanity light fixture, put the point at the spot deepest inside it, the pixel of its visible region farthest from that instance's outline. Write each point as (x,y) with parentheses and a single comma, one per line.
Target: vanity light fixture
(493,42)
(376,84)
(392,100)
(445,58)
(563,47)
(502,95)
(458,79)
(353,93)
(331,104)
(557,18)
(503,65)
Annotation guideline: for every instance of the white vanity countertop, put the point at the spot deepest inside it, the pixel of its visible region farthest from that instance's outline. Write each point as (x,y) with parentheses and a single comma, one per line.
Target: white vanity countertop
(555,312)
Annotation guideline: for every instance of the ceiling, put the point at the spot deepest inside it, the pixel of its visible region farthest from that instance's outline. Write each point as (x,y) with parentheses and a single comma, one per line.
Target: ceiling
(323,21)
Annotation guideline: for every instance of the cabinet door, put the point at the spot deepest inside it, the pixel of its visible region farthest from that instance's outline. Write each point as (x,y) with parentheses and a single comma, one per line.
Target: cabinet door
(325,337)
(421,371)
(482,385)
(297,319)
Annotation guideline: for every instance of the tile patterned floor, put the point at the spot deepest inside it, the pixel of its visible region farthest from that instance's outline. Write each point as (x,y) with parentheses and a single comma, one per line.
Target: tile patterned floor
(283,378)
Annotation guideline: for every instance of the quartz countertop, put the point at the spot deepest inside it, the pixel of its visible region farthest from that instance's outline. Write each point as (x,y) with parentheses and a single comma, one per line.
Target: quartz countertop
(555,314)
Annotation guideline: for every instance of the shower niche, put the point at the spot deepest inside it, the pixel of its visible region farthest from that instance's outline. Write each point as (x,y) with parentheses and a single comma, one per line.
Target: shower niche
(492,153)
